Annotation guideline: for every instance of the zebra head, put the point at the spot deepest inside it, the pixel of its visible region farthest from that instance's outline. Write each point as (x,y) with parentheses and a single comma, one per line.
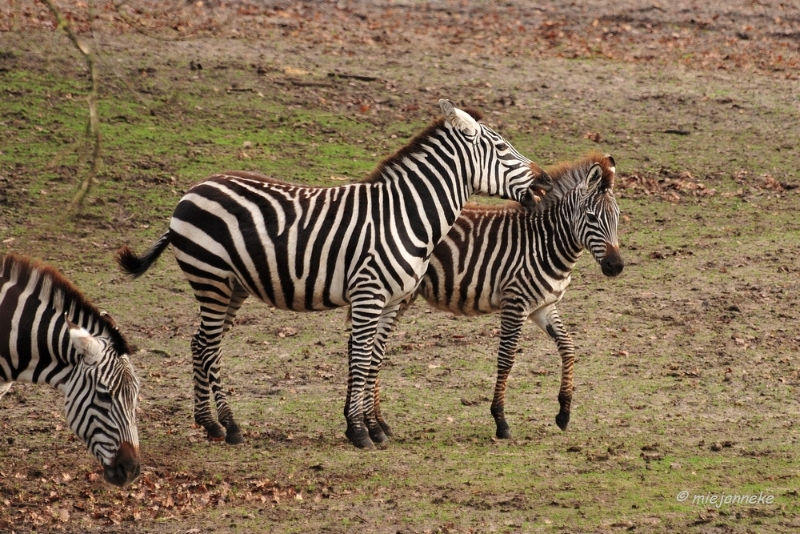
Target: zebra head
(101,397)
(497,166)
(598,215)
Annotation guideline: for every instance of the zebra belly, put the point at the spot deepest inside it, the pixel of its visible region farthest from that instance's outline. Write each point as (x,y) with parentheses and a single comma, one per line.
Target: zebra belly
(554,296)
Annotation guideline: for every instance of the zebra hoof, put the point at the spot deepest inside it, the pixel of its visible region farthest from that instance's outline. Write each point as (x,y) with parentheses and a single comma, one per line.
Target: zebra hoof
(378,436)
(386,429)
(233,434)
(503,433)
(234,438)
(359,437)
(214,432)
(562,420)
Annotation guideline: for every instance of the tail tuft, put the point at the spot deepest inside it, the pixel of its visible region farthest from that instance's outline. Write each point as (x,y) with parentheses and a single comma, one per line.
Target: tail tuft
(130,263)
(135,266)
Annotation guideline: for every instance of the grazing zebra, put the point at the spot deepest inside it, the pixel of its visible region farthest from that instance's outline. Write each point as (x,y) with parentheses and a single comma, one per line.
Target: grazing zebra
(50,334)
(364,245)
(519,260)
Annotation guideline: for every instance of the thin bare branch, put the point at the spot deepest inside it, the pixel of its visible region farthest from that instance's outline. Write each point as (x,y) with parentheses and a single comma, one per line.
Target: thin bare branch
(93,126)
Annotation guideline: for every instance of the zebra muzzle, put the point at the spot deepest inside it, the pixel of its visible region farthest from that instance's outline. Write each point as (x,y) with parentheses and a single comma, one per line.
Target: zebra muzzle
(125,467)
(612,263)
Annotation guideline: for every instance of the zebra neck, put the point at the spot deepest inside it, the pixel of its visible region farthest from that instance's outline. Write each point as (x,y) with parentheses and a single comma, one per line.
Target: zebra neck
(43,352)
(559,219)
(437,192)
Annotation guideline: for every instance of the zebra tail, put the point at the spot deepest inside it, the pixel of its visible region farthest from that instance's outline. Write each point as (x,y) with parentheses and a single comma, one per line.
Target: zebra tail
(135,266)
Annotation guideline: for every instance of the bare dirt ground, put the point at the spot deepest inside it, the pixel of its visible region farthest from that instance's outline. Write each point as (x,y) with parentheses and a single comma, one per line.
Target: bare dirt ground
(687,376)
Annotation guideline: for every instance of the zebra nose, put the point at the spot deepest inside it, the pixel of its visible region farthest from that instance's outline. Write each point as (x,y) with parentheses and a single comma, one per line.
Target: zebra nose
(612,263)
(125,467)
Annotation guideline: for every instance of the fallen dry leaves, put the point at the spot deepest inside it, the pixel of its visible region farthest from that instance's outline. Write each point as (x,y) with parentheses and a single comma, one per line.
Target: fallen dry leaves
(155,495)
(677,186)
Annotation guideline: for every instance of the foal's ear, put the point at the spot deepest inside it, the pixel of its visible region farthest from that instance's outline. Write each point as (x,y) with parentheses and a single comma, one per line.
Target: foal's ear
(85,344)
(594,178)
(541,180)
(609,171)
(110,319)
(458,119)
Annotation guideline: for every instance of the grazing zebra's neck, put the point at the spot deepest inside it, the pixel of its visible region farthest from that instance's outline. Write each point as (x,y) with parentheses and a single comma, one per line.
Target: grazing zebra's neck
(35,303)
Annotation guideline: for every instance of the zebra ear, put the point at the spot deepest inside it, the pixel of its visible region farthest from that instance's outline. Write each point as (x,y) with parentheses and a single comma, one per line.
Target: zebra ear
(542,180)
(610,171)
(594,178)
(85,344)
(458,119)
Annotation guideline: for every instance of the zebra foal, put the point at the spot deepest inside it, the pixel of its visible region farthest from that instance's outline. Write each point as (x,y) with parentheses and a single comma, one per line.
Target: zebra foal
(50,334)
(518,261)
(365,245)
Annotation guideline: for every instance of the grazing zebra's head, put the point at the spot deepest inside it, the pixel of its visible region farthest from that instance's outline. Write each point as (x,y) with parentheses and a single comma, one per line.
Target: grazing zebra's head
(498,168)
(101,397)
(598,214)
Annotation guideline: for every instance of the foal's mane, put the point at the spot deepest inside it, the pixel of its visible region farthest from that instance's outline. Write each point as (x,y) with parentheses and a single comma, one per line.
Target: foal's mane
(567,175)
(27,267)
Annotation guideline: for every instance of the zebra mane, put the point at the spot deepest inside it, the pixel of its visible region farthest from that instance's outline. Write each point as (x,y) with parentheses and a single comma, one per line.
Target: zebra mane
(63,295)
(413,146)
(377,173)
(567,175)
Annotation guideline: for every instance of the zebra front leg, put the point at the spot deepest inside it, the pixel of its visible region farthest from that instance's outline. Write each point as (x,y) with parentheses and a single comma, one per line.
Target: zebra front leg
(512,317)
(378,428)
(548,320)
(376,433)
(365,315)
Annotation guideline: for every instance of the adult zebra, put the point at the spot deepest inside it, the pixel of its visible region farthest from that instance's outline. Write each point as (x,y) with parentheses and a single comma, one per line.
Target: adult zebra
(518,261)
(364,245)
(50,334)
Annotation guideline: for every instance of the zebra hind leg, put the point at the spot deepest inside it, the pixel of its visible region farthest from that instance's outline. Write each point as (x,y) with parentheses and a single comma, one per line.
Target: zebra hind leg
(549,321)
(233,435)
(512,320)
(377,409)
(202,390)
(218,305)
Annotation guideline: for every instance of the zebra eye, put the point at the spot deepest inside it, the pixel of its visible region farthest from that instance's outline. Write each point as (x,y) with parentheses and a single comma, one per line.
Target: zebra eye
(591,217)
(502,146)
(104,396)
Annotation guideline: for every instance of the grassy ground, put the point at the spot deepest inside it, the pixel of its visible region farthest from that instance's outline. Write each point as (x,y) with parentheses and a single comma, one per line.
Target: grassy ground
(687,369)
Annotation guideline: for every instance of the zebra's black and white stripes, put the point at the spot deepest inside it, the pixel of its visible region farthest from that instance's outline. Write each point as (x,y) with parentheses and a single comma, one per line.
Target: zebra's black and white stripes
(364,245)
(518,261)
(50,334)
